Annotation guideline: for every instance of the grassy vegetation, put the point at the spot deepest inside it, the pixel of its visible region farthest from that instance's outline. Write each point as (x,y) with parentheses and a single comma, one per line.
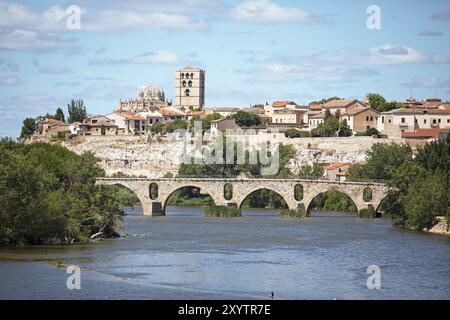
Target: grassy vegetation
(222,212)
(293,213)
(367,213)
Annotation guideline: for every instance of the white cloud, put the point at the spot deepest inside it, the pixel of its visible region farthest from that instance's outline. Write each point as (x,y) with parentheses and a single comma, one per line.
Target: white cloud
(263,11)
(427,82)
(390,54)
(9,81)
(163,57)
(152,57)
(112,21)
(440,58)
(23,40)
(20,17)
(55,70)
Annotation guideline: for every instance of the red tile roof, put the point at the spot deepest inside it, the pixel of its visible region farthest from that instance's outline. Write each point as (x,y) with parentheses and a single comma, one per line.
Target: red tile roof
(278,104)
(171,112)
(336,165)
(424,133)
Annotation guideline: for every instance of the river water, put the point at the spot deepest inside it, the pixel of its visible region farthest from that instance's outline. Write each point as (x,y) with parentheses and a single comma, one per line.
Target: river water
(187,256)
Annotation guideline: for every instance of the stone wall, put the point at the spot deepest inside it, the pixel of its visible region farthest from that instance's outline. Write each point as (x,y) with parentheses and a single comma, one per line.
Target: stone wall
(141,156)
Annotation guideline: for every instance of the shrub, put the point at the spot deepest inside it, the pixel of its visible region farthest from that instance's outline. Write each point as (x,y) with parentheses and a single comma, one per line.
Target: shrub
(367,213)
(222,212)
(292,133)
(293,213)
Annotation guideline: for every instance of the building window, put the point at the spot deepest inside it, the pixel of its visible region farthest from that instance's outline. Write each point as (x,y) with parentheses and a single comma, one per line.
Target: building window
(367,118)
(371,118)
(439,120)
(192,76)
(187,92)
(182,76)
(448,120)
(403,120)
(424,121)
(382,119)
(184,84)
(190,83)
(434,121)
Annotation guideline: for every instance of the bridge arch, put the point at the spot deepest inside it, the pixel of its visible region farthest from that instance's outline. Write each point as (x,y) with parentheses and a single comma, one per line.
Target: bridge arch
(346,202)
(142,195)
(164,199)
(248,193)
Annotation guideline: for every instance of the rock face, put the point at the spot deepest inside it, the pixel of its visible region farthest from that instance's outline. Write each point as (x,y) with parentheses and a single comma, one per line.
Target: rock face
(143,156)
(441,227)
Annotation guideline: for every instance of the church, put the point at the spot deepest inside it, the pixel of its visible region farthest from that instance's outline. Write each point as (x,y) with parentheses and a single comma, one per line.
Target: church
(189,94)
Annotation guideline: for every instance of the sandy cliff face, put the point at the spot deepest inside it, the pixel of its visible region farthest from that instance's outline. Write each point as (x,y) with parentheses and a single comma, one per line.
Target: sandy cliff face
(141,156)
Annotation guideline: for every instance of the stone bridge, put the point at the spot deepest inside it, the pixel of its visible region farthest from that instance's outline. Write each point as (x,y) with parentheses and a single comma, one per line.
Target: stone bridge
(154,203)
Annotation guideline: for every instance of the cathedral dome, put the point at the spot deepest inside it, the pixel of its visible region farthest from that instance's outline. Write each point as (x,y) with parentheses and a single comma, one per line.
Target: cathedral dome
(151,92)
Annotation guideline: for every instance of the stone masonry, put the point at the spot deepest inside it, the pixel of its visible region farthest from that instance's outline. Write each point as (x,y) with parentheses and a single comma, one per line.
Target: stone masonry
(244,187)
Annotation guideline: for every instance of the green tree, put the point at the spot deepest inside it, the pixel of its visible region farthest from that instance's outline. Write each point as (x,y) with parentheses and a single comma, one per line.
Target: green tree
(424,201)
(246,119)
(384,159)
(344,129)
(28,128)
(328,128)
(312,172)
(206,121)
(48,195)
(175,125)
(325,100)
(292,133)
(77,111)
(59,115)
(377,101)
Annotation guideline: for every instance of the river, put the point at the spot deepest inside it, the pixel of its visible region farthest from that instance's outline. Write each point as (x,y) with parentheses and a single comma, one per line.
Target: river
(187,256)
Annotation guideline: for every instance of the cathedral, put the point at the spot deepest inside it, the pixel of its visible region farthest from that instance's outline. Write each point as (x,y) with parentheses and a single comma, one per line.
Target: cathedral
(150,98)
(189,94)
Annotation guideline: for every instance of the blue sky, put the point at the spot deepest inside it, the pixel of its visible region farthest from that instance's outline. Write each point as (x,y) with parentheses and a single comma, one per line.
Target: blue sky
(252,51)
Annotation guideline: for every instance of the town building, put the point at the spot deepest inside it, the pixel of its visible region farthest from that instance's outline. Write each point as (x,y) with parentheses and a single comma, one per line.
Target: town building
(315,119)
(224,112)
(190,89)
(341,105)
(359,119)
(336,171)
(135,125)
(172,113)
(420,137)
(98,126)
(393,123)
(221,125)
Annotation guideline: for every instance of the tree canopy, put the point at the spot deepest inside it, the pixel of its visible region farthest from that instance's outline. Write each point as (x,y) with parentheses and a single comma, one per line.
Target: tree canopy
(77,111)
(421,184)
(246,119)
(28,128)
(48,195)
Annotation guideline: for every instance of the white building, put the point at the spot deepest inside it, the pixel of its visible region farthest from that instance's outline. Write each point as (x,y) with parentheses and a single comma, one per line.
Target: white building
(393,123)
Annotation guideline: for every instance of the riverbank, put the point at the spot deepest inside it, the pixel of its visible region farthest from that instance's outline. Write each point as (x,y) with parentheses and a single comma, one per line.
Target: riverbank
(441,227)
